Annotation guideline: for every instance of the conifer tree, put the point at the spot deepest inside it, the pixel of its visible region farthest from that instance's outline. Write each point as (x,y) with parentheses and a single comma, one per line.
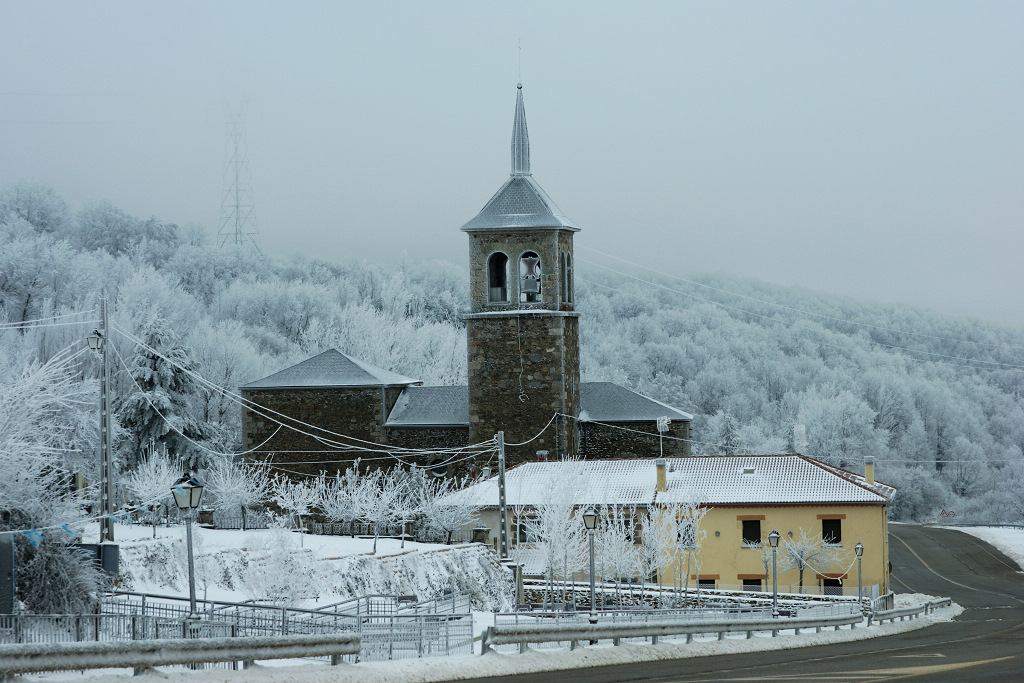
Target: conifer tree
(155,406)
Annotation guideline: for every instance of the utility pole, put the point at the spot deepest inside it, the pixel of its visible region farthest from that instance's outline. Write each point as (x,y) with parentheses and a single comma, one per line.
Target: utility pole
(502,513)
(106,459)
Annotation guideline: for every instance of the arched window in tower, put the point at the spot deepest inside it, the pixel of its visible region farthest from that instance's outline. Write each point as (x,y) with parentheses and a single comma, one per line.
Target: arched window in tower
(497,278)
(567,280)
(529,277)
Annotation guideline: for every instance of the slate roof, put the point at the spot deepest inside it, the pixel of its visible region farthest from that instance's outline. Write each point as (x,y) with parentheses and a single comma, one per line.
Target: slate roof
(446,406)
(608,402)
(520,203)
(600,402)
(711,480)
(331,368)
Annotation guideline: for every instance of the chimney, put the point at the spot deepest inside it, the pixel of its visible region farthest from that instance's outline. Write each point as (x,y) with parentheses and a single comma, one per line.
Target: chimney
(869,469)
(662,478)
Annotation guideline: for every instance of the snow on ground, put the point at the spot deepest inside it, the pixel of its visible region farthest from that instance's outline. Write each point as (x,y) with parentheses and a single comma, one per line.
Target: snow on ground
(456,668)
(1009,540)
(307,569)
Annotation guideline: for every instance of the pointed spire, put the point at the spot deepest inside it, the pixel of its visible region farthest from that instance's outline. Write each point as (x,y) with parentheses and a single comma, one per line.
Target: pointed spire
(520,138)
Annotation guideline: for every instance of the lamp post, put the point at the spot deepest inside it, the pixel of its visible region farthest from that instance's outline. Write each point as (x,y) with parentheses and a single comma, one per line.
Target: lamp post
(187,493)
(859,549)
(590,521)
(773,541)
(98,343)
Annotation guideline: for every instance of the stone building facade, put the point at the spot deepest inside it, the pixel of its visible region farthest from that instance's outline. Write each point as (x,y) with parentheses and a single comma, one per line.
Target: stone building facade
(523,364)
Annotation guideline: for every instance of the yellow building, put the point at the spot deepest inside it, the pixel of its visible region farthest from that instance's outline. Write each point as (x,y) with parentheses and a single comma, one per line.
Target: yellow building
(821,512)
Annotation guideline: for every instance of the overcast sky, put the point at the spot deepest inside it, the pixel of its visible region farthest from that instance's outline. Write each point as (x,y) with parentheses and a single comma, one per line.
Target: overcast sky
(870,149)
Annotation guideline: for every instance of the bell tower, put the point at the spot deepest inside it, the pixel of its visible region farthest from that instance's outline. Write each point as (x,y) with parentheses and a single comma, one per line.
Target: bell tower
(523,331)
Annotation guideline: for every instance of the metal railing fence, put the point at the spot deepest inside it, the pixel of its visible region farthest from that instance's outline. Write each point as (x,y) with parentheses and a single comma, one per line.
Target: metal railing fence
(390,626)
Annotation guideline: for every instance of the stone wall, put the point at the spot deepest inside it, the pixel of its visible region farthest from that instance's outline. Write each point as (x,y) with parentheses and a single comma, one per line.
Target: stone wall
(357,412)
(549,246)
(542,349)
(434,437)
(601,441)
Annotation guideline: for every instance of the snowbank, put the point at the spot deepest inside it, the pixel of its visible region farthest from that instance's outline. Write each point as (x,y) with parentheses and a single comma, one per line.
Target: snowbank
(266,564)
(1009,541)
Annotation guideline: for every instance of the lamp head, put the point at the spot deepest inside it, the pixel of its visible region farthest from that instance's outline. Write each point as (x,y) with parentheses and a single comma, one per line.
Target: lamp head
(773,538)
(590,518)
(859,548)
(95,340)
(187,492)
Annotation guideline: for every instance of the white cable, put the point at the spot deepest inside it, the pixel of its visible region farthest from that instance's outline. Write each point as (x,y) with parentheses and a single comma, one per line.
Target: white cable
(52,317)
(168,422)
(256,408)
(21,326)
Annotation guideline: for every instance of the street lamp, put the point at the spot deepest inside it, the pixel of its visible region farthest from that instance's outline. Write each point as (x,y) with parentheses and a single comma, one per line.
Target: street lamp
(773,541)
(590,521)
(187,493)
(95,340)
(859,549)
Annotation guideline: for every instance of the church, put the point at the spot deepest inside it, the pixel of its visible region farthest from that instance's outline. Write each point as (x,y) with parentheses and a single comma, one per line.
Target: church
(523,340)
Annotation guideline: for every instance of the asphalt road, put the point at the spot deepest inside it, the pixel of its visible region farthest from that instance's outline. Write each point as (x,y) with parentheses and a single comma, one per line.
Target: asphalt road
(985,643)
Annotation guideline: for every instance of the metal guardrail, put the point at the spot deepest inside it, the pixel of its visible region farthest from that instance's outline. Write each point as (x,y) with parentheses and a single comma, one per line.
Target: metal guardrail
(34,658)
(908,612)
(576,632)
(576,627)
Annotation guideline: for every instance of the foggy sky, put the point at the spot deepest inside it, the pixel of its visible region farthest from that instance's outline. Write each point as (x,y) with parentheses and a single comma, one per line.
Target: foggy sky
(869,149)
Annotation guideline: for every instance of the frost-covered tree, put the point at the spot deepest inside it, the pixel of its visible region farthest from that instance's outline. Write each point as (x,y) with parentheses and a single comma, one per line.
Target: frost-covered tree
(659,541)
(688,512)
(295,497)
(152,480)
(338,494)
(37,204)
(556,527)
(157,407)
(377,498)
(616,554)
(237,485)
(441,510)
(40,406)
(809,550)
(764,555)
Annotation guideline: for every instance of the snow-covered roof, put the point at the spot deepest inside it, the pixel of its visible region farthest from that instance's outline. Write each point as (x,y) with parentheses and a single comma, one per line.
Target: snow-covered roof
(599,401)
(710,480)
(732,479)
(607,402)
(431,406)
(331,368)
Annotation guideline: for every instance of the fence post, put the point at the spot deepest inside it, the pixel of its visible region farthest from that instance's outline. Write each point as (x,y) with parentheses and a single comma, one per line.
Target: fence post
(284,621)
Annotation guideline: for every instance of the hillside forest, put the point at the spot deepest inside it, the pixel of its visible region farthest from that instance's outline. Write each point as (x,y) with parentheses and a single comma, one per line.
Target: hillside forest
(937,400)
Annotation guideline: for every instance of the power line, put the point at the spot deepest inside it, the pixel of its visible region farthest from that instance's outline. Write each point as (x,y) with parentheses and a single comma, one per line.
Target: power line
(171,425)
(257,408)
